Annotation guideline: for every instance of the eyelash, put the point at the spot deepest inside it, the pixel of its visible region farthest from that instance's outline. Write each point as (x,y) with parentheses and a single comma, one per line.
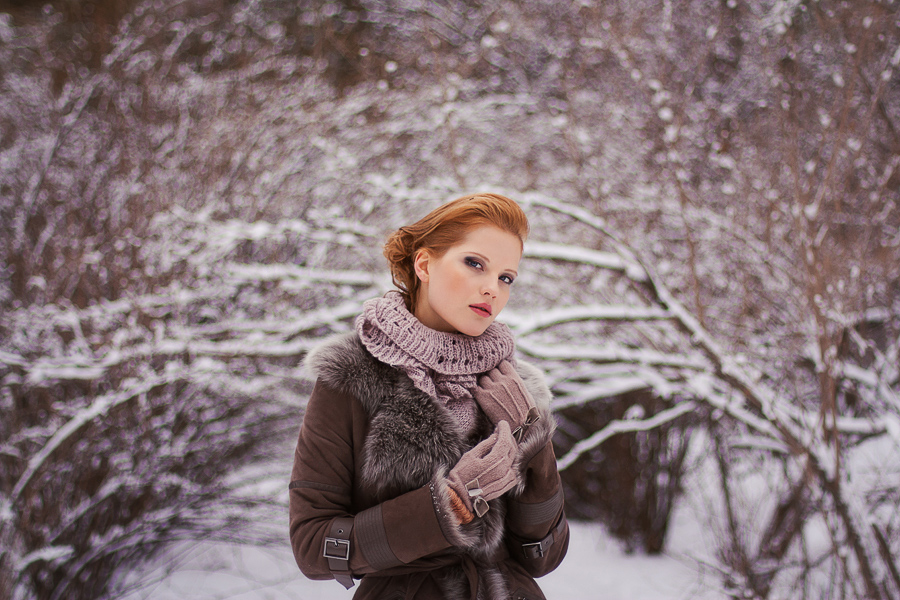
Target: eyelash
(475,264)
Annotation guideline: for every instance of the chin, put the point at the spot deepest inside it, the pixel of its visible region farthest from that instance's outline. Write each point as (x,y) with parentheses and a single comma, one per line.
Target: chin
(474,330)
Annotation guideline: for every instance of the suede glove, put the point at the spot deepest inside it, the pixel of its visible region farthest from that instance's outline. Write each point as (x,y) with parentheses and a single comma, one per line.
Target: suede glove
(502,396)
(486,471)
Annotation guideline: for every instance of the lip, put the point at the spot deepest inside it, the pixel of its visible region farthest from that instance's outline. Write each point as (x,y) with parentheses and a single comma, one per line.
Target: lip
(482,309)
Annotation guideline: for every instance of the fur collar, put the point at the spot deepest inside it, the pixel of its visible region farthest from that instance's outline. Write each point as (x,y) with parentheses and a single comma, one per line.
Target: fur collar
(411,435)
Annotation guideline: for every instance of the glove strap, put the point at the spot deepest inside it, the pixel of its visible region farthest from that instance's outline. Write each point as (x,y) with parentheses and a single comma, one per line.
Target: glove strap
(531,418)
(476,495)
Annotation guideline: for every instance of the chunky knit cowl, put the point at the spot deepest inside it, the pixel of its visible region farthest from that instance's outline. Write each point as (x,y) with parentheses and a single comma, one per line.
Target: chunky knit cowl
(443,365)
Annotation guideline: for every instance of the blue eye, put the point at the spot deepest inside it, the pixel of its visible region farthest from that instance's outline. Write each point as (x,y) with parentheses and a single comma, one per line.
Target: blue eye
(473,263)
(507,279)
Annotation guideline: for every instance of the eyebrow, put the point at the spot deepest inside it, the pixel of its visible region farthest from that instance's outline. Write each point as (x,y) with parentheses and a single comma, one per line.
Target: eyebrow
(487,260)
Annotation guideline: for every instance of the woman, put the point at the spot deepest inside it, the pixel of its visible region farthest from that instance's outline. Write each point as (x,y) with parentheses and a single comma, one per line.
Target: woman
(424,464)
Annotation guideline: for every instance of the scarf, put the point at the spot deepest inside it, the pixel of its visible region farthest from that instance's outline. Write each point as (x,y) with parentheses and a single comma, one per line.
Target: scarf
(443,365)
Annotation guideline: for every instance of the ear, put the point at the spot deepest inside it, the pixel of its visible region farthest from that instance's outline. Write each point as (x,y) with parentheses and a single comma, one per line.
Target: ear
(421,264)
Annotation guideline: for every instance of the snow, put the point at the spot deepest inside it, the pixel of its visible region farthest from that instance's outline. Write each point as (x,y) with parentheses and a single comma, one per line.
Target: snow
(605,260)
(595,566)
(607,353)
(605,388)
(48,554)
(522,324)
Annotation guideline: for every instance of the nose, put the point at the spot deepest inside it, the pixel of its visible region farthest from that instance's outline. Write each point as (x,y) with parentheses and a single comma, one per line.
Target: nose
(489,290)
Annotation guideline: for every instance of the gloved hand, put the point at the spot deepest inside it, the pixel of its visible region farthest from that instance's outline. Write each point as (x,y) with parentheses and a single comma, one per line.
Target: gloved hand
(486,471)
(502,396)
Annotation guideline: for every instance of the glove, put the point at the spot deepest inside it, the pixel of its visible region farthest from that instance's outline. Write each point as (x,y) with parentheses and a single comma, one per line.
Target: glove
(486,471)
(502,396)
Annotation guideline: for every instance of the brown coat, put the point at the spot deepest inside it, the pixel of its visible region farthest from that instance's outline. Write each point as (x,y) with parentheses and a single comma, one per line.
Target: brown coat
(369,467)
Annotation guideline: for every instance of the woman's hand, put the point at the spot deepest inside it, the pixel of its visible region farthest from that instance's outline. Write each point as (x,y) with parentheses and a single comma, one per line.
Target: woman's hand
(502,396)
(486,471)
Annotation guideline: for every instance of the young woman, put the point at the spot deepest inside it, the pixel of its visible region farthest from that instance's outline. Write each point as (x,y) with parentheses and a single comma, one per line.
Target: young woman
(424,465)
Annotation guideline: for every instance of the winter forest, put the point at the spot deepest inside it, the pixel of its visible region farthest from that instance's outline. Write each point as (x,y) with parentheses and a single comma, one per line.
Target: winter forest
(193,193)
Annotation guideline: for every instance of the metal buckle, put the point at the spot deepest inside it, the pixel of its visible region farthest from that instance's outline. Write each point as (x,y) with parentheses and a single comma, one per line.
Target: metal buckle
(533,550)
(531,418)
(337,546)
(479,504)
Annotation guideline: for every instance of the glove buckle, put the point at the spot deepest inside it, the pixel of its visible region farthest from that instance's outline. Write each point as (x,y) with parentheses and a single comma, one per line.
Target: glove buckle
(531,418)
(479,504)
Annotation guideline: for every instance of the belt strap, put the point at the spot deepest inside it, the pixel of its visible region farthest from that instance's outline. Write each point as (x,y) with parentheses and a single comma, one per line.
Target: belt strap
(535,550)
(337,550)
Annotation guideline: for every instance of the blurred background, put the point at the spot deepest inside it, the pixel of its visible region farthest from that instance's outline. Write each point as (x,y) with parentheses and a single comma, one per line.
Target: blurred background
(193,193)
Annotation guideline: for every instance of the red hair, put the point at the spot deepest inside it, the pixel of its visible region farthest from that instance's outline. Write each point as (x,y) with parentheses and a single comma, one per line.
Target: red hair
(443,228)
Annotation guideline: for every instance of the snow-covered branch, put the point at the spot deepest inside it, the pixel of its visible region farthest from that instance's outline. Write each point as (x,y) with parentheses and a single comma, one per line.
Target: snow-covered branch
(576,254)
(617,427)
(523,325)
(609,353)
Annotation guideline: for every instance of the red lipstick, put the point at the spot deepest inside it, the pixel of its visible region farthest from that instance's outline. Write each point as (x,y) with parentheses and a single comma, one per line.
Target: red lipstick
(482,309)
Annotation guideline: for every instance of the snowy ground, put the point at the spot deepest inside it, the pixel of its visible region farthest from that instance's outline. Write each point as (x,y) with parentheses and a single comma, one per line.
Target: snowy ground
(595,568)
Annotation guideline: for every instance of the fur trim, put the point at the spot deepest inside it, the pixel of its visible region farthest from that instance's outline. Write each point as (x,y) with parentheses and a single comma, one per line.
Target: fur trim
(539,434)
(534,381)
(491,584)
(453,583)
(479,537)
(342,362)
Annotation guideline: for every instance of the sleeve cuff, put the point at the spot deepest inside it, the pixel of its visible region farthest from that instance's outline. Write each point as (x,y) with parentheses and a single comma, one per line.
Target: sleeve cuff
(534,458)
(481,532)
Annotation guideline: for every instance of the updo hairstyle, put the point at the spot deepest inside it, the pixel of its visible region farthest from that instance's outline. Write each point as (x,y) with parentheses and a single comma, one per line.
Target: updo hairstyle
(444,227)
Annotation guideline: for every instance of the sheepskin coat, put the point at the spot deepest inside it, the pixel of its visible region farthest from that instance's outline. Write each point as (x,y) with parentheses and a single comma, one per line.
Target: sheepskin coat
(373,452)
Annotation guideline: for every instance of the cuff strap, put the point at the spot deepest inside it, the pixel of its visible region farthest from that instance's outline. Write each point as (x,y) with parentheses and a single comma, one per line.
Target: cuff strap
(536,550)
(337,550)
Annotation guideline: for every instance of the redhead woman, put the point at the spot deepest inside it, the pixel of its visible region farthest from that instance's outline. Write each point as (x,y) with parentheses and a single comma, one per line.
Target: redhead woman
(424,466)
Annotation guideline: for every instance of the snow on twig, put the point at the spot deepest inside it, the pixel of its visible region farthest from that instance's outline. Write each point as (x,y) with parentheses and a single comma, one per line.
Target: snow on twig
(546,250)
(10,359)
(610,354)
(615,427)
(276,272)
(523,325)
(606,387)
(633,268)
(47,554)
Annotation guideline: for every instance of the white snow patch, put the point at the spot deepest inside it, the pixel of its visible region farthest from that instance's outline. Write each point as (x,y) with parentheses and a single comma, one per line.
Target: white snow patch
(595,566)
(48,554)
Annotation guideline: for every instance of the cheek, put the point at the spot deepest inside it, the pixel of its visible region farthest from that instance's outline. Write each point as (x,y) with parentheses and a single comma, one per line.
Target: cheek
(503,298)
(445,286)
(454,280)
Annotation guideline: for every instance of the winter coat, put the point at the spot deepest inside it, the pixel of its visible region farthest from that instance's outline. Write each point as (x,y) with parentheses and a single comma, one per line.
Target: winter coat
(368,489)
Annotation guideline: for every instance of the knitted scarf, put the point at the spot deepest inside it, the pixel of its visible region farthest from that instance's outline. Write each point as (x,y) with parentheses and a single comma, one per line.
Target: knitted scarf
(443,365)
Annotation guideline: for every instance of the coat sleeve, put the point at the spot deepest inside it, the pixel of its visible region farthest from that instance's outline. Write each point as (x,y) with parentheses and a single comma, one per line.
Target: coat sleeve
(537,530)
(383,537)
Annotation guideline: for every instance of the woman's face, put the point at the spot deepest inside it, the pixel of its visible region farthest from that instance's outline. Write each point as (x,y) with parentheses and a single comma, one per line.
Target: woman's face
(465,289)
